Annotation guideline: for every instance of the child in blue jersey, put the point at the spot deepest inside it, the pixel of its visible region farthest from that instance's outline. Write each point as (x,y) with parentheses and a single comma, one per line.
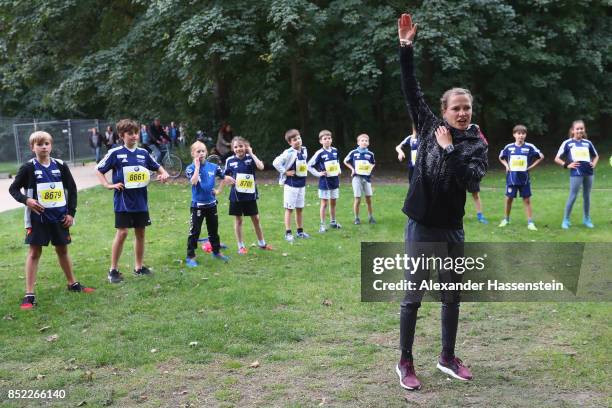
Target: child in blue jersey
(579,155)
(361,163)
(412,142)
(243,195)
(202,175)
(50,199)
(324,165)
(293,169)
(518,158)
(130,165)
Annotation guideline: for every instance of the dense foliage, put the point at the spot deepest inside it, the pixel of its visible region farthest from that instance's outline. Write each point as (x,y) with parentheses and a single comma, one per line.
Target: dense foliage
(273,64)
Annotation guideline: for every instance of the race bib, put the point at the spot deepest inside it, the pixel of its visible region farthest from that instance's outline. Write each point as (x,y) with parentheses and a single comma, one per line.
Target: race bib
(301,168)
(136,176)
(363,167)
(245,183)
(518,163)
(51,195)
(332,168)
(581,154)
(413,156)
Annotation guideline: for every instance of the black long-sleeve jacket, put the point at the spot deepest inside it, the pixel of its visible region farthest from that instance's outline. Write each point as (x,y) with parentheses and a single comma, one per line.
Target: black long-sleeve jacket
(436,197)
(26,179)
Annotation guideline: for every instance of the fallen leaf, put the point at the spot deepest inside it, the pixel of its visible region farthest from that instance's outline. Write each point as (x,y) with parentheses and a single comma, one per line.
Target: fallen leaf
(42,329)
(8,317)
(284,254)
(88,375)
(327,302)
(193,343)
(323,401)
(201,311)
(82,404)
(254,364)
(153,350)
(53,337)
(40,376)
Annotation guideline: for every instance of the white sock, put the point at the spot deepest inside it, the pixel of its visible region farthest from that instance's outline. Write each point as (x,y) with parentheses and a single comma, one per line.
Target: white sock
(261,243)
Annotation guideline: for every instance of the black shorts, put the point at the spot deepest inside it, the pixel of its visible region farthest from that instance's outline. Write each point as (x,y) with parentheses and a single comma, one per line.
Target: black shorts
(40,234)
(475,189)
(247,208)
(132,219)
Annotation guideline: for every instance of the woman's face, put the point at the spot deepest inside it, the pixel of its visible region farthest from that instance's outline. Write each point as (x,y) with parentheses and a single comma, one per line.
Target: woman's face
(578,130)
(458,112)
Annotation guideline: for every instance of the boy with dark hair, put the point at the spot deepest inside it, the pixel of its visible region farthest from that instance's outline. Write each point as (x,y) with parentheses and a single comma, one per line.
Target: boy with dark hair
(130,165)
(293,169)
(518,158)
(50,199)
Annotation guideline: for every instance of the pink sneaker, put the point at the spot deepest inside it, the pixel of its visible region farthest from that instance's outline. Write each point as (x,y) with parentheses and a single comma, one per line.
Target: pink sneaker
(243,251)
(408,379)
(455,368)
(207,247)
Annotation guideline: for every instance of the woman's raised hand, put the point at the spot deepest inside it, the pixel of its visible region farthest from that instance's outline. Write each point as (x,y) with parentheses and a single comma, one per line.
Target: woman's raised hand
(405,29)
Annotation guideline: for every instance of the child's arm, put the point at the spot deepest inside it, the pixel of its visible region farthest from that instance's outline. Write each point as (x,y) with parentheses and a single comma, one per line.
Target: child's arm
(162,174)
(106,184)
(258,163)
(505,163)
(71,199)
(348,164)
(535,163)
(21,181)
(312,169)
(195,178)
(400,153)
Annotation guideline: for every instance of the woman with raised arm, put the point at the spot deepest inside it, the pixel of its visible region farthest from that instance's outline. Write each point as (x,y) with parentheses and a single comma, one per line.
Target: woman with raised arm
(452,158)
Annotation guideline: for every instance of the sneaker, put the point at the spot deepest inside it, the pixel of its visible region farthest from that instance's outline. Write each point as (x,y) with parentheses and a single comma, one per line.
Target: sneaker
(77,287)
(114,276)
(266,247)
(405,372)
(587,222)
(322,228)
(220,257)
(357,221)
(289,238)
(455,368)
(303,235)
(191,262)
(565,224)
(531,226)
(335,225)
(371,220)
(243,251)
(481,219)
(504,222)
(143,271)
(28,302)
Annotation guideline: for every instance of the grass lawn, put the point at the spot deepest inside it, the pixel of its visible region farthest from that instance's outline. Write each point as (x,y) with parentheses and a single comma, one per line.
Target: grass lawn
(295,310)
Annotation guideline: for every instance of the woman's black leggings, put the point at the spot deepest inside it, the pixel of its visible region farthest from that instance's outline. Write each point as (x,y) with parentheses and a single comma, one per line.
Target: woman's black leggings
(449,319)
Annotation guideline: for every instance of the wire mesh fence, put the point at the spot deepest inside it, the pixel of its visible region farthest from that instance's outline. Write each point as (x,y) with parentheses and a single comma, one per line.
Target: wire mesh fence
(71,139)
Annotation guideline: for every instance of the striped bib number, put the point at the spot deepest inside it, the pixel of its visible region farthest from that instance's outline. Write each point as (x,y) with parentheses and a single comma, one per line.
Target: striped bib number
(135,176)
(363,167)
(413,156)
(581,154)
(332,168)
(245,183)
(301,168)
(518,162)
(51,195)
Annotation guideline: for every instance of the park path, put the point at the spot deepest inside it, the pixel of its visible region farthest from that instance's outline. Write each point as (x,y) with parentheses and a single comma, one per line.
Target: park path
(84,176)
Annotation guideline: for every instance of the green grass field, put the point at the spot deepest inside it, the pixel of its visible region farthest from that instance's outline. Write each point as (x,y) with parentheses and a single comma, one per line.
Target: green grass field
(295,310)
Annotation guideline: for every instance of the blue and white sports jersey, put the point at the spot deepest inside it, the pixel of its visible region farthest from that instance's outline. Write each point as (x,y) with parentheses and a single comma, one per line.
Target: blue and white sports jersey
(327,161)
(50,192)
(413,143)
(300,166)
(243,171)
(202,194)
(130,167)
(581,151)
(519,158)
(362,162)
